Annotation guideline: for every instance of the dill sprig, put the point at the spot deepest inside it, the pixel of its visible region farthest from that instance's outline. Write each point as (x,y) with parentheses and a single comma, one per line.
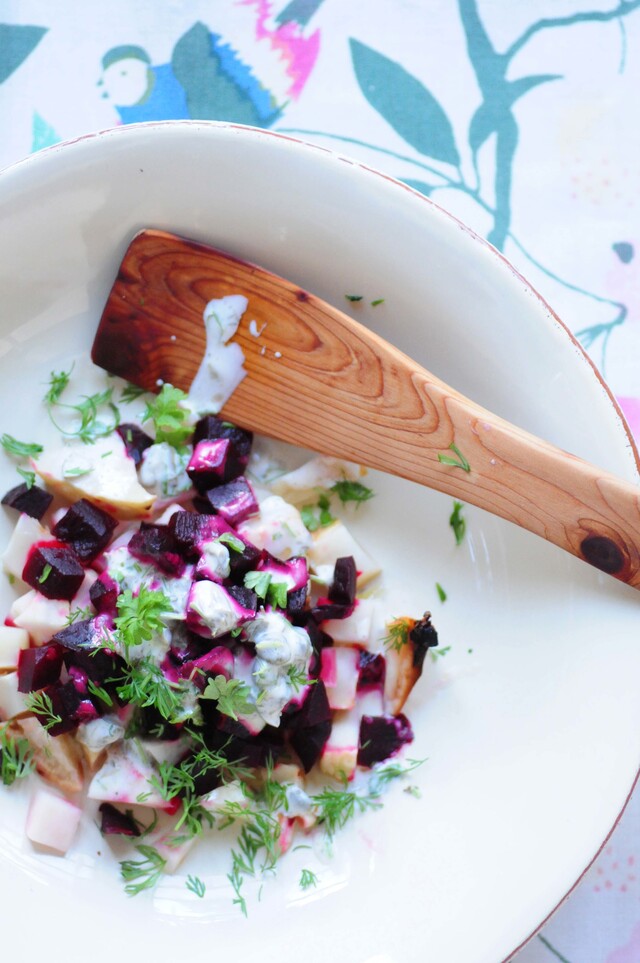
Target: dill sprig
(141,874)
(19,449)
(41,705)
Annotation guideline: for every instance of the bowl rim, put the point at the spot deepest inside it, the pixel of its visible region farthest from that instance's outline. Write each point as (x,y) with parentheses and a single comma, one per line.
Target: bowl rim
(330,156)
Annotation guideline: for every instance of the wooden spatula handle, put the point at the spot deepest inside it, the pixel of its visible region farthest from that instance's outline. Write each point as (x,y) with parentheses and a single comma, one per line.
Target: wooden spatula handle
(319,379)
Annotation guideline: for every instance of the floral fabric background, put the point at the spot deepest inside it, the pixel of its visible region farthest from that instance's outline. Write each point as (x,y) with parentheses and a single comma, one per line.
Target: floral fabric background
(517,117)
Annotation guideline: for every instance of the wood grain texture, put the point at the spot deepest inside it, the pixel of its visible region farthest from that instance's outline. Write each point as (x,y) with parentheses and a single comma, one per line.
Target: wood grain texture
(328,383)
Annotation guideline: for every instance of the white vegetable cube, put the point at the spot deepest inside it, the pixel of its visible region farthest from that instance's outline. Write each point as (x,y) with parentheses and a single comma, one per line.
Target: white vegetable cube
(124,778)
(339,672)
(356,628)
(172,852)
(340,754)
(27,531)
(301,485)
(336,541)
(12,702)
(278,528)
(12,640)
(52,821)
(41,617)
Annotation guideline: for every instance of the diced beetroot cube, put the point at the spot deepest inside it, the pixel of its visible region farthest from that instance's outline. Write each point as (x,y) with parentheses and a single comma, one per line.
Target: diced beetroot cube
(246,601)
(157,544)
(32,501)
(325,609)
(136,441)
(310,727)
(235,501)
(54,570)
(190,529)
(296,600)
(242,562)
(213,462)
(39,667)
(343,587)
(70,705)
(84,646)
(104,595)
(116,823)
(293,572)
(212,427)
(371,670)
(381,737)
(424,637)
(87,528)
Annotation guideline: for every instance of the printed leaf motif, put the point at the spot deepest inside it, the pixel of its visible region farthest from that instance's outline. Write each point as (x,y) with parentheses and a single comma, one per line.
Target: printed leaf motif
(420,186)
(16,43)
(491,114)
(624,250)
(405,103)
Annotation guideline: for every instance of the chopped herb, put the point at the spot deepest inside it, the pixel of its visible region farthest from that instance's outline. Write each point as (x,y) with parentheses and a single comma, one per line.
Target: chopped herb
(232,541)
(99,692)
(413,791)
(317,516)
(131,393)
(231,696)
(78,615)
(457,522)
(442,595)
(20,449)
(259,582)
(307,879)
(439,653)
(144,684)
(377,301)
(90,426)
(169,416)
(277,594)
(298,678)
(335,807)
(143,873)
(140,616)
(353,297)
(41,705)
(381,777)
(44,575)
(29,477)
(195,885)
(352,491)
(458,462)
(76,472)
(16,758)
(398,633)
(58,381)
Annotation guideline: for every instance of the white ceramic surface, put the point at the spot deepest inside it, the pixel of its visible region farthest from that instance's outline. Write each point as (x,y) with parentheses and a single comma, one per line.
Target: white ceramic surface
(530,722)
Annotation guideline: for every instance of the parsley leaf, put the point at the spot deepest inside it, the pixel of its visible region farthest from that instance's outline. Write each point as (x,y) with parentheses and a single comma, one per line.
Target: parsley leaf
(442,595)
(16,758)
(169,416)
(259,582)
(231,695)
(352,491)
(458,462)
(457,522)
(140,616)
(29,477)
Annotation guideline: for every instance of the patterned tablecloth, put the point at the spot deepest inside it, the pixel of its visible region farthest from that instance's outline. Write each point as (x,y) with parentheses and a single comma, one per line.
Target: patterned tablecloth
(516,115)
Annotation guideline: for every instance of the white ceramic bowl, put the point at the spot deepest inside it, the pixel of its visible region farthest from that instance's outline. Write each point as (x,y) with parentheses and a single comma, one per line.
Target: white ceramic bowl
(531,721)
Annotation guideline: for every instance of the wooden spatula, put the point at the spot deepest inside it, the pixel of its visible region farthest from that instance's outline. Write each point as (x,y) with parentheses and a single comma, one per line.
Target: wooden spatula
(319,379)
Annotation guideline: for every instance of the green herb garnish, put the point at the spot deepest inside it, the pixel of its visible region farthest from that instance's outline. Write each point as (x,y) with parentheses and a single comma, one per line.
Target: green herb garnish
(44,575)
(16,758)
(307,879)
(57,383)
(231,541)
(29,477)
(195,885)
(458,462)
(231,696)
(20,449)
(352,491)
(442,595)
(353,297)
(457,522)
(168,415)
(41,705)
(140,616)
(131,393)
(266,588)
(143,873)
(397,634)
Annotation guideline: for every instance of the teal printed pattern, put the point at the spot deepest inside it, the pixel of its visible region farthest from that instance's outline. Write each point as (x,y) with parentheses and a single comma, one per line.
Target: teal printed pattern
(16,43)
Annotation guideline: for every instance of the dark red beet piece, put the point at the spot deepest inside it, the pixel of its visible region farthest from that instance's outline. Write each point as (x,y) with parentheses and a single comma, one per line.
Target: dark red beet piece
(381,737)
(371,670)
(424,637)
(212,427)
(190,529)
(54,570)
(325,609)
(343,587)
(32,501)
(71,706)
(310,727)
(83,644)
(136,441)
(39,667)
(116,823)
(246,598)
(157,544)
(104,595)
(235,501)
(87,528)
(214,462)
(242,562)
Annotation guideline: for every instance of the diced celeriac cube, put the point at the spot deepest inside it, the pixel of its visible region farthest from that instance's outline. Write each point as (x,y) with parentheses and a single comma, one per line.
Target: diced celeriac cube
(101,472)
(336,541)
(224,796)
(170,850)
(124,777)
(278,528)
(355,629)
(27,531)
(340,754)
(339,672)
(303,484)
(12,702)
(12,640)
(165,750)
(41,617)
(52,821)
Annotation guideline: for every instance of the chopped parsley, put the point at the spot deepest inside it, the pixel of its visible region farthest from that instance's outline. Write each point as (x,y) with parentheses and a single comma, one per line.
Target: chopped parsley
(398,633)
(442,595)
(374,304)
(58,381)
(140,616)
(457,522)
(458,462)
(319,515)
(29,477)
(169,416)
(352,491)
(44,575)
(266,588)
(354,297)
(231,541)
(231,696)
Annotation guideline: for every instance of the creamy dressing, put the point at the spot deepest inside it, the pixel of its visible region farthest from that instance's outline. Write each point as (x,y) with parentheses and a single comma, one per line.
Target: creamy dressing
(222,367)
(163,470)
